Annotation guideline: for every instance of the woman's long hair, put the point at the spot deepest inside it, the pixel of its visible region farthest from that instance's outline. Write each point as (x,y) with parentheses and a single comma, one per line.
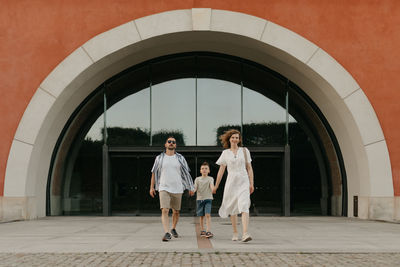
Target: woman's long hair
(227,135)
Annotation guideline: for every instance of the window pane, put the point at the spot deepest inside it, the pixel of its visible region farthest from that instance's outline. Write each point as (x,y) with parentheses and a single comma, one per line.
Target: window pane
(263,120)
(308,185)
(82,188)
(128,121)
(173,111)
(218,109)
(96,131)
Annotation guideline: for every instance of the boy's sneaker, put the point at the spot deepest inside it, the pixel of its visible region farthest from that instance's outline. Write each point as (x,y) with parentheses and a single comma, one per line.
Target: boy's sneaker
(203,233)
(174,233)
(209,235)
(167,237)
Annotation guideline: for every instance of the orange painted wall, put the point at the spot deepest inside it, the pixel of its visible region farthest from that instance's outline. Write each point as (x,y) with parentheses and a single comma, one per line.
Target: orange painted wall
(362,35)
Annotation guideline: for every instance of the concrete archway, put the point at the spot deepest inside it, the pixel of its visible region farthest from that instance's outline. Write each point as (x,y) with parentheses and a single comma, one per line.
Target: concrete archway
(331,87)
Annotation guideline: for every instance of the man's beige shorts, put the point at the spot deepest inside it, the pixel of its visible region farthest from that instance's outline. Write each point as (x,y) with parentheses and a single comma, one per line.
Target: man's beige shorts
(170,201)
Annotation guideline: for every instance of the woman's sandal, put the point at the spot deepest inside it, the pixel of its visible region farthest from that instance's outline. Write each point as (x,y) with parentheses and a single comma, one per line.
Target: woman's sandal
(235,237)
(203,233)
(209,234)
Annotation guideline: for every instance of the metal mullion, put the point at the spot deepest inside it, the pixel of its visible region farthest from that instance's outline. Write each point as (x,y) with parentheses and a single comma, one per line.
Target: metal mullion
(241,99)
(191,149)
(287,114)
(241,107)
(286,160)
(105,135)
(286,182)
(151,114)
(195,109)
(106,163)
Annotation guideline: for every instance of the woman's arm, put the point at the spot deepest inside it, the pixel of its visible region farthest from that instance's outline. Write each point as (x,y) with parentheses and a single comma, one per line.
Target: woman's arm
(219,177)
(251,176)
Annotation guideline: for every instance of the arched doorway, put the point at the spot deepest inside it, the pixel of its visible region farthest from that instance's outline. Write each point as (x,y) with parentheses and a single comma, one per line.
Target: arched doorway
(104,159)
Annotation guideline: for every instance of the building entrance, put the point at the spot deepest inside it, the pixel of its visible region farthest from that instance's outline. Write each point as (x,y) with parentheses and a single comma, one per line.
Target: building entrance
(130,180)
(103,160)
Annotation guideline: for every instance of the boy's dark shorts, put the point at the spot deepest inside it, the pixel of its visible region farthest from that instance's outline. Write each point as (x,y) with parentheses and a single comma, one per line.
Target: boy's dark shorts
(203,207)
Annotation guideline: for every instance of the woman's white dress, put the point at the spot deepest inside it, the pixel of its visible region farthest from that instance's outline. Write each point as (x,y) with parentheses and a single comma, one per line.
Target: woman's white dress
(236,197)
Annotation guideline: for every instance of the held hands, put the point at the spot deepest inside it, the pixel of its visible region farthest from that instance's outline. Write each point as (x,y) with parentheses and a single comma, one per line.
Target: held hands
(152,192)
(191,193)
(214,191)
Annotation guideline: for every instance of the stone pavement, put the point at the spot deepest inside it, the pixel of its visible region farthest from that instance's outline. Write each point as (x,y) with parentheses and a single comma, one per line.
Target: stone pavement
(136,241)
(199,259)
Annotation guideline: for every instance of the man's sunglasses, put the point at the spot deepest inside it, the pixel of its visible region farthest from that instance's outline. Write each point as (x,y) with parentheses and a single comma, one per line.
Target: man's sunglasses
(171,142)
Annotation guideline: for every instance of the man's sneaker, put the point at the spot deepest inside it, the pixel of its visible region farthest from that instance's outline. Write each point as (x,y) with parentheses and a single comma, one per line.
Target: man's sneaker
(209,235)
(203,233)
(246,237)
(167,237)
(174,233)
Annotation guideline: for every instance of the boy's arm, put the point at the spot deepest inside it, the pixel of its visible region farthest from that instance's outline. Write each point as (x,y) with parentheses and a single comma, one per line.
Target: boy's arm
(195,185)
(212,184)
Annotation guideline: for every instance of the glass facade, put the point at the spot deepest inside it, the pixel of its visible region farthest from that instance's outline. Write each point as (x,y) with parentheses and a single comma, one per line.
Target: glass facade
(219,105)
(173,111)
(129,117)
(195,98)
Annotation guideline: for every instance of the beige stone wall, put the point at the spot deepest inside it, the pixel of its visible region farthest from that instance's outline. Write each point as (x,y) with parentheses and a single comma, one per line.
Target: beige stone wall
(17,208)
(379,208)
(397,209)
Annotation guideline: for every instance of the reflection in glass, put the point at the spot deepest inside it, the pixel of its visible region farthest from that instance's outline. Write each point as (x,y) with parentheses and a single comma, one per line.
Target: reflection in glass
(96,131)
(263,120)
(219,106)
(125,181)
(173,112)
(267,197)
(128,120)
(307,182)
(82,188)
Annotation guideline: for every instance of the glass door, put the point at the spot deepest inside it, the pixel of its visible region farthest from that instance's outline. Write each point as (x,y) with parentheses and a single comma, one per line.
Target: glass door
(130,179)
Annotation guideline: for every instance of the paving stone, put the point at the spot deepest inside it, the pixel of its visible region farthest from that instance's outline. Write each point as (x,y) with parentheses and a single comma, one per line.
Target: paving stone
(199,259)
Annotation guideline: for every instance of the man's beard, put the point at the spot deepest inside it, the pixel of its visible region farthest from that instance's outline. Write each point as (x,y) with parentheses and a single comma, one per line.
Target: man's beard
(170,148)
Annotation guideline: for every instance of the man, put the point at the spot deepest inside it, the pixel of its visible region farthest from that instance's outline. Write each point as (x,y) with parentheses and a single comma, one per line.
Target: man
(170,177)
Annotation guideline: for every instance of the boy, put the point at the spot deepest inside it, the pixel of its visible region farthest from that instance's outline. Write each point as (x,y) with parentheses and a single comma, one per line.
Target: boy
(204,185)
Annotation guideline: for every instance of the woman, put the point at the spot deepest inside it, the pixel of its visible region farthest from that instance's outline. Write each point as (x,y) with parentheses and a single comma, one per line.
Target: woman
(239,184)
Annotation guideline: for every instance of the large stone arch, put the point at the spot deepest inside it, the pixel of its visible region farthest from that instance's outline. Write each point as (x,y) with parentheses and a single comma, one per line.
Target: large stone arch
(331,87)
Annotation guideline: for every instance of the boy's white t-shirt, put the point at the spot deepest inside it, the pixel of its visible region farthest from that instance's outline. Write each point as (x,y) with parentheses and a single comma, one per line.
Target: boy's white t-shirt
(202,187)
(170,178)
